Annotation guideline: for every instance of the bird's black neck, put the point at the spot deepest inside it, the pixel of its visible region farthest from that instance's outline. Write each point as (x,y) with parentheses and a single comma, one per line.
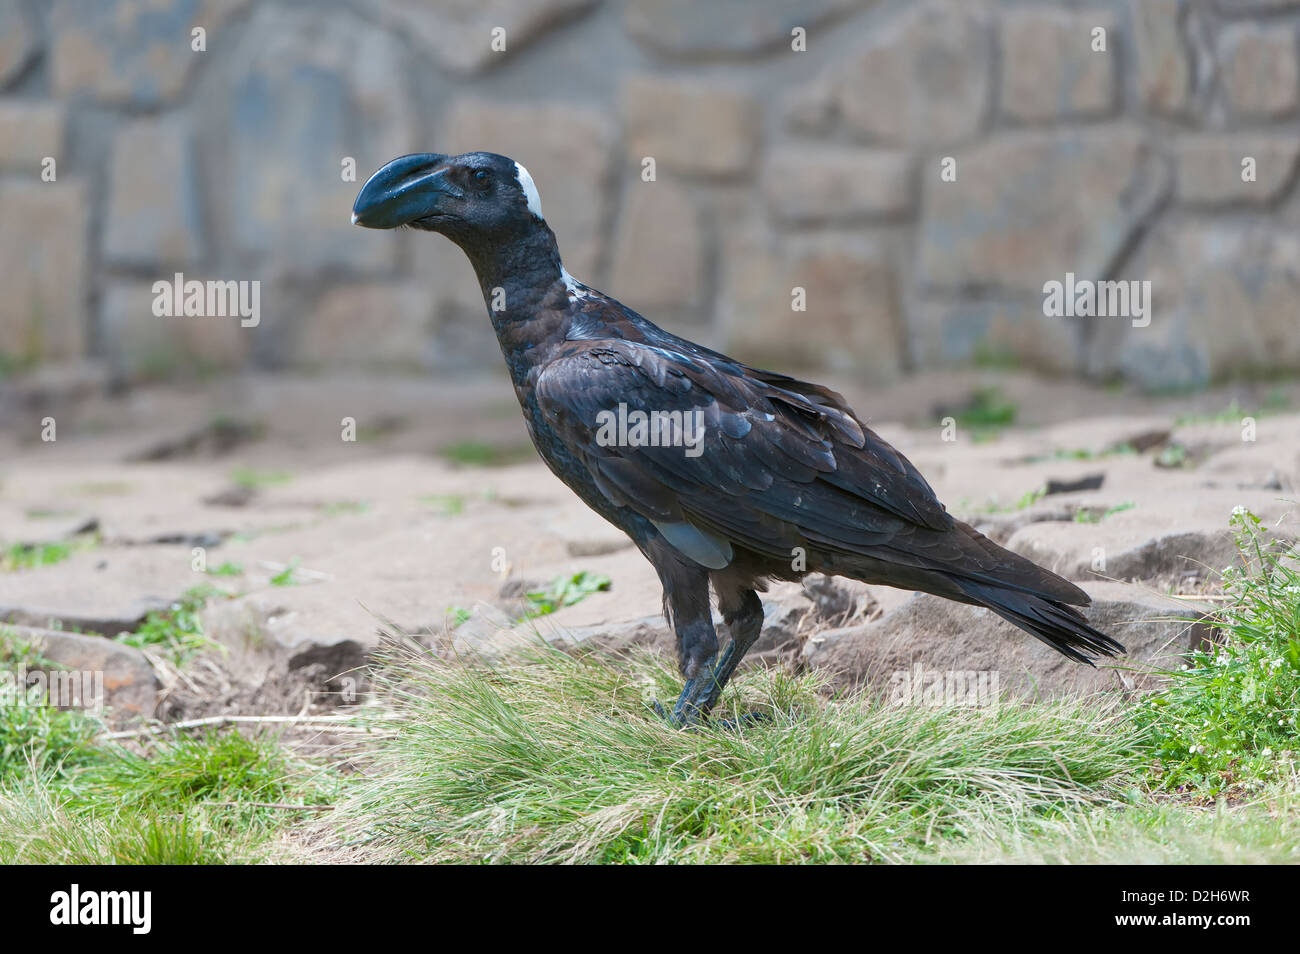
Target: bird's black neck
(523,287)
(516,274)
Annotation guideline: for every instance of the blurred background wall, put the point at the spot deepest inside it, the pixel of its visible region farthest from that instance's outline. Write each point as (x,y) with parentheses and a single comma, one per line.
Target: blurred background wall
(775,168)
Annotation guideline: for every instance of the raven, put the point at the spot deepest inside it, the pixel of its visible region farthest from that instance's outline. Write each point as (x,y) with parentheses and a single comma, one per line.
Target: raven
(720,473)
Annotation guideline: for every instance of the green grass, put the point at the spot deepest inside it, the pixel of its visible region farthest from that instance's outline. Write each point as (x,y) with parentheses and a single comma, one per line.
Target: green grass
(558,759)
(345,508)
(447,505)
(481,454)
(1264,832)
(986,414)
(1084,453)
(991,506)
(256,479)
(38,738)
(1234,412)
(227,569)
(1089,515)
(1229,722)
(178,630)
(31,556)
(219,798)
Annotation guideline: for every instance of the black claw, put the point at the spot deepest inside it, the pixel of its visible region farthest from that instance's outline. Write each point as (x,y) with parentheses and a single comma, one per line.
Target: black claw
(746,719)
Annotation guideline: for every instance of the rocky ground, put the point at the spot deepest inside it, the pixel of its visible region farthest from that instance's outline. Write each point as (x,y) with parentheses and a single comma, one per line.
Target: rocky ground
(438,520)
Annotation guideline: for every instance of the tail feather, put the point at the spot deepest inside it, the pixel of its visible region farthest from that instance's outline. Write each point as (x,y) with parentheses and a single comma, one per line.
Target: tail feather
(1058,625)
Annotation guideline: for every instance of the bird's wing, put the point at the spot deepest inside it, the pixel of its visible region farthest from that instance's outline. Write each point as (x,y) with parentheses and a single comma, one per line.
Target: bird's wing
(780,463)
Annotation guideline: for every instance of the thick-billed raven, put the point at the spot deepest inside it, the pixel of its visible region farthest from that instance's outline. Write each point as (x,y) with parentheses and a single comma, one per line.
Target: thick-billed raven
(719,472)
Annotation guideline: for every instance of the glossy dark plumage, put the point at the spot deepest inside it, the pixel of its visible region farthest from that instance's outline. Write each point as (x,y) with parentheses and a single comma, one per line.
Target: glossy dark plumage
(787,480)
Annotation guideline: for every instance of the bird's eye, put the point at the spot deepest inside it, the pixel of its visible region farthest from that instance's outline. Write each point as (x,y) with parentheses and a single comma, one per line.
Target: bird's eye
(481,176)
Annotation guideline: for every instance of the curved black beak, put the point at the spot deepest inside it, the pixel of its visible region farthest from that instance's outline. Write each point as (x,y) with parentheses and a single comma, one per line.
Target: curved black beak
(404,190)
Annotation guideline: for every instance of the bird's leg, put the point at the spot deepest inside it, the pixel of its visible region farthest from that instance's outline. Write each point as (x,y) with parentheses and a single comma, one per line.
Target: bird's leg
(745,622)
(744,618)
(686,604)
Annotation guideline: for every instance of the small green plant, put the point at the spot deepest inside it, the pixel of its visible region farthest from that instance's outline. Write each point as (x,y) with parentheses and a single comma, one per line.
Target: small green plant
(986,414)
(344,507)
(29,556)
(1084,453)
(1230,720)
(178,630)
(480,454)
(447,505)
(564,591)
(1090,515)
(227,569)
(285,576)
(256,479)
(1174,456)
(457,615)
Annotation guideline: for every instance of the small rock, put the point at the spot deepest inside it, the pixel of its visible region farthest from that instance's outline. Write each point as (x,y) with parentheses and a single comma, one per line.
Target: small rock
(130,685)
(1088,482)
(839,601)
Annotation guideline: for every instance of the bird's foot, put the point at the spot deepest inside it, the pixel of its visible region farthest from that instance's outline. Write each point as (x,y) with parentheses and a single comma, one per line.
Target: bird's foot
(744,720)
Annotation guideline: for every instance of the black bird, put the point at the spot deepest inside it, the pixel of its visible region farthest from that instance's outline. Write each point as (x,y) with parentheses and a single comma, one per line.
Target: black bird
(741,477)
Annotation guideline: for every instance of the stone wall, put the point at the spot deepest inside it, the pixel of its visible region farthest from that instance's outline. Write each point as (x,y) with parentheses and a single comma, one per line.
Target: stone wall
(919,169)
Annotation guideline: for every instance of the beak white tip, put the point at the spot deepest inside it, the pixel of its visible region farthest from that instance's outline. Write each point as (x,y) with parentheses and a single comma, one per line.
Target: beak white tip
(354,218)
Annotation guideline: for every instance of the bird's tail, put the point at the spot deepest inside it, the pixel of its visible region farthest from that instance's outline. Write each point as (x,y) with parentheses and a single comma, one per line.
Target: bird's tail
(1057,624)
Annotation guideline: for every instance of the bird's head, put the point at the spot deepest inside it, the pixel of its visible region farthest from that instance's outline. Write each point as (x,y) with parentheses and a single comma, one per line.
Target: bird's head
(476,197)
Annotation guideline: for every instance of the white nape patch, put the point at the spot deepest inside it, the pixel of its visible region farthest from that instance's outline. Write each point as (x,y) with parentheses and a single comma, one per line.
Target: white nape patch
(530,190)
(576,288)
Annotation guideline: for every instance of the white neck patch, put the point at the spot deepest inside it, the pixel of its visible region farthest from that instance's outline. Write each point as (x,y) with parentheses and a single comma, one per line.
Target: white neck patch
(530,190)
(575,288)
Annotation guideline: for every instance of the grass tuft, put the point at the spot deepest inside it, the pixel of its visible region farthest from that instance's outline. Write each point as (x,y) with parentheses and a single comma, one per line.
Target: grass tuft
(557,759)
